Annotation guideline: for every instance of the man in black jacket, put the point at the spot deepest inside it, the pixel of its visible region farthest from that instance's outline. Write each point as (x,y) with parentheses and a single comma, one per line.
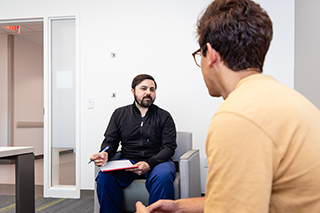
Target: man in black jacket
(148,137)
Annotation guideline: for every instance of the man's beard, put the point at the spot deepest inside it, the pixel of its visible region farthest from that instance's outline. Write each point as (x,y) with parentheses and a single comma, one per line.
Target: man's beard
(144,103)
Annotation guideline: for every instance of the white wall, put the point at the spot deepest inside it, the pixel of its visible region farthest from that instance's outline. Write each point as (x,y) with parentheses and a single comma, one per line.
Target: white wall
(280,58)
(155,37)
(28,93)
(3,90)
(307,45)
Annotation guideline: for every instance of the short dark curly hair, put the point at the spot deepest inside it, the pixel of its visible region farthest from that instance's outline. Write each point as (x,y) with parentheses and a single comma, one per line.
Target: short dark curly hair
(139,78)
(240,30)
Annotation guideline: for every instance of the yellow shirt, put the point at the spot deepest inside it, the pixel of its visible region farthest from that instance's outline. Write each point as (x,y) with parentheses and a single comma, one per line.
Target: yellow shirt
(263,150)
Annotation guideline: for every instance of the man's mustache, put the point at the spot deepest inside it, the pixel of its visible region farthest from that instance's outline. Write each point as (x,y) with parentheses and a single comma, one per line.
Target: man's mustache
(147,96)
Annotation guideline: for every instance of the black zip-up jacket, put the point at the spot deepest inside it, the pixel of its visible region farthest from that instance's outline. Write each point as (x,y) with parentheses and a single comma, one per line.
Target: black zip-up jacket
(151,138)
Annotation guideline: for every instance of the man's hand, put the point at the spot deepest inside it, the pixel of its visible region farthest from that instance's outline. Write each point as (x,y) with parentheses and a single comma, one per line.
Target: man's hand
(140,208)
(169,206)
(188,205)
(143,167)
(99,160)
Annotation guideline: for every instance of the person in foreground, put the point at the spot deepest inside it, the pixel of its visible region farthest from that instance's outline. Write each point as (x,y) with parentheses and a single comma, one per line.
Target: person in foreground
(148,137)
(263,142)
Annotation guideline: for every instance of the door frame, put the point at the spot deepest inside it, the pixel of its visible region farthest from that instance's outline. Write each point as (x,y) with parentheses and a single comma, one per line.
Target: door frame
(54,191)
(58,191)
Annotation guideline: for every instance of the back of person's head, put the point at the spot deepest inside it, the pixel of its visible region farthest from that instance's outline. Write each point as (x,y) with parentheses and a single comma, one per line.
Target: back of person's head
(139,78)
(240,30)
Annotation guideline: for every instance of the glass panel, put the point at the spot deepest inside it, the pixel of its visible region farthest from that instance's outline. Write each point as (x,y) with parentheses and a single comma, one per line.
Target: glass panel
(63,90)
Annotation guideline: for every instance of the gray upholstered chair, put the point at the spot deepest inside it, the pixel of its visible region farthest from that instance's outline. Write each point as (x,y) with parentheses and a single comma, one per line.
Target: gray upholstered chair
(187,182)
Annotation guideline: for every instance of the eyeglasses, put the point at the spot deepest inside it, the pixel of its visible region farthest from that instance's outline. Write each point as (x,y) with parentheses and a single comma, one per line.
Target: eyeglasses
(197,57)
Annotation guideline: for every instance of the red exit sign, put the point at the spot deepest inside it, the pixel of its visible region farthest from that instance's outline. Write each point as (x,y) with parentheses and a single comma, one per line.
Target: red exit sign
(15,29)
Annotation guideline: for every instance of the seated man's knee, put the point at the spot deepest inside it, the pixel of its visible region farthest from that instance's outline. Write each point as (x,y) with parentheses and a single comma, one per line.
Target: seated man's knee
(163,174)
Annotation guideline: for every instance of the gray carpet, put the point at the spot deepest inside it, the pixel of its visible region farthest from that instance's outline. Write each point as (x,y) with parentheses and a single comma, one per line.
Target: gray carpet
(50,205)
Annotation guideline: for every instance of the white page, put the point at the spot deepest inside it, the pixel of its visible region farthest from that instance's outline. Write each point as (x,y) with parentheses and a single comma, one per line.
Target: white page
(116,165)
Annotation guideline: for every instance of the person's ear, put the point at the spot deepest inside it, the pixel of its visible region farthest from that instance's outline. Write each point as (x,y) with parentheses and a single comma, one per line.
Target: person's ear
(212,55)
(132,90)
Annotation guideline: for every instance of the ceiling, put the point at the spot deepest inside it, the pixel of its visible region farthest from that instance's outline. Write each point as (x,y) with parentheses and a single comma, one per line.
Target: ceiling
(30,31)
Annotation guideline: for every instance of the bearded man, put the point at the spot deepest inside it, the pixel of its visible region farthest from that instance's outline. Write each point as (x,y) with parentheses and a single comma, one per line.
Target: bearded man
(148,139)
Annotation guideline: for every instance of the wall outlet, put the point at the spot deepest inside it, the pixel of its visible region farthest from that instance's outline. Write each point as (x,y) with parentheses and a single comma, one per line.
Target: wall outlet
(90,103)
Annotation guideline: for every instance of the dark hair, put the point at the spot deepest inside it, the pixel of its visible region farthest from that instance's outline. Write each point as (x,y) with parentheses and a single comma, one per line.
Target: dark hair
(240,30)
(139,78)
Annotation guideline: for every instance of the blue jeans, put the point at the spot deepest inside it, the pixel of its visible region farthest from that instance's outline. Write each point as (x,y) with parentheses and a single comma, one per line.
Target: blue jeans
(159,183)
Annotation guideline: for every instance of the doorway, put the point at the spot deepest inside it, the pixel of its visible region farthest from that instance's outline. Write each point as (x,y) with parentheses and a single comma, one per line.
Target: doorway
(24,92)
(38,80)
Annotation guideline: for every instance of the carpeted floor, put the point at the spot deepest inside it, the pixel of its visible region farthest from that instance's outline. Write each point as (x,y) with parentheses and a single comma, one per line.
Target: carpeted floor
(50,205)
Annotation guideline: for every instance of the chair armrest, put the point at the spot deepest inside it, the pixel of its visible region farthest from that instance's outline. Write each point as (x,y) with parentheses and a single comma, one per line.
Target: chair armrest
(190,185)
(96,206)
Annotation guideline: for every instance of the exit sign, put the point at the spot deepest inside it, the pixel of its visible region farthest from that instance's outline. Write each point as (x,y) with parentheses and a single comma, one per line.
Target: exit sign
(15,28)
